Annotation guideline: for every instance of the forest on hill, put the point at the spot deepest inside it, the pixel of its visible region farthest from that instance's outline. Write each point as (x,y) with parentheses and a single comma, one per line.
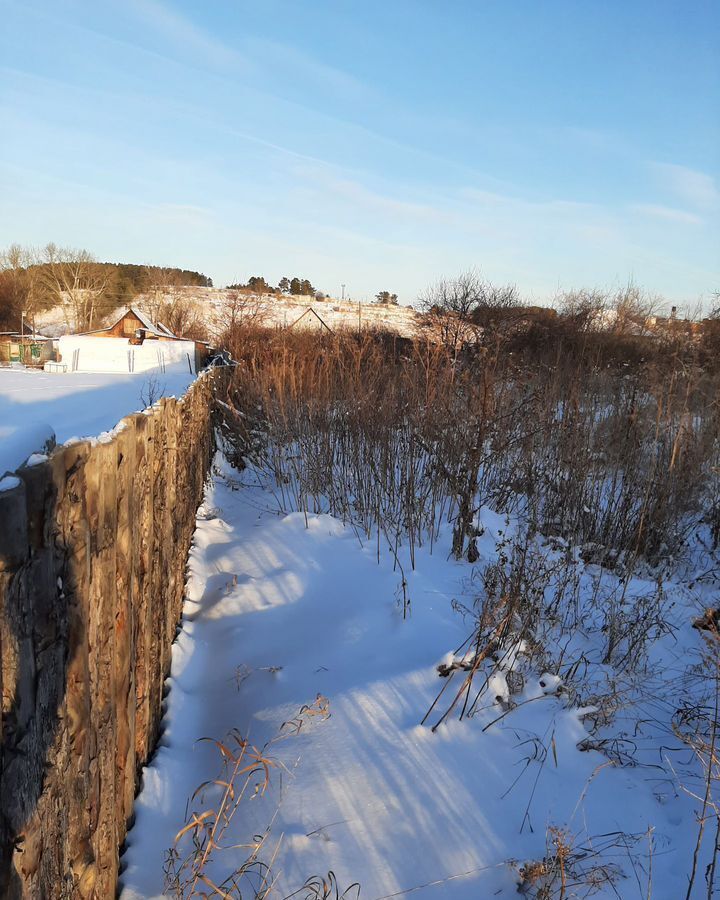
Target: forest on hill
(32,281)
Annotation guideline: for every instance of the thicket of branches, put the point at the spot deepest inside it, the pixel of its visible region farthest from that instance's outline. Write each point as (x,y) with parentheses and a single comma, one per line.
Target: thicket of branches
(628,326)
(398,436)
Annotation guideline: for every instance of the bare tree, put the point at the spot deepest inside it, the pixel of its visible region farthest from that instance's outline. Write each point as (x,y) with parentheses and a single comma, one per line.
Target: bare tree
(459,310)
(165,301)
(12,289)
(497,298)
(448,305)
(181,315)
(162,286)
(633,310)
(239,310)
(584,309)
(20,294)
(710,335)
(73,280)
(715,312)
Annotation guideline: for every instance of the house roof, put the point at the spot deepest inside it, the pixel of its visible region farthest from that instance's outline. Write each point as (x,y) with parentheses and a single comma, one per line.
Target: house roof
(311,312)
(27,335)
(160,330)
(165,329)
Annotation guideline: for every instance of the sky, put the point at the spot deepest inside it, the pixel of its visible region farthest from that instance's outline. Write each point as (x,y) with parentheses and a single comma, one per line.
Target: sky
(380,145)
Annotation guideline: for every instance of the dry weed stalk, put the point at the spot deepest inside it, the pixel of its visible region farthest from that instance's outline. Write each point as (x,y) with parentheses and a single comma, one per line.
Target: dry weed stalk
(697,727)
(570,868)
(191,863)
(397,437)
(321,887)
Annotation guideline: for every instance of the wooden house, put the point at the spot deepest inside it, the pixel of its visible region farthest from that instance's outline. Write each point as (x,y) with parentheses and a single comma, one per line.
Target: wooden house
(133,343)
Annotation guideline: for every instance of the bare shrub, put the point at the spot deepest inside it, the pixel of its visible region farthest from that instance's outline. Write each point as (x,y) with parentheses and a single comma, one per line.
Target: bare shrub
(240,311)
(572,867)
(74,281)
(467,310)
(615,459)
(151,391)
(696,724)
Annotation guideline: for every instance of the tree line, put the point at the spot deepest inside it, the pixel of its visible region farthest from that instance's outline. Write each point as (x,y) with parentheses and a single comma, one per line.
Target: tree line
(257,284)
(33,281)
(472,317)
(298,287)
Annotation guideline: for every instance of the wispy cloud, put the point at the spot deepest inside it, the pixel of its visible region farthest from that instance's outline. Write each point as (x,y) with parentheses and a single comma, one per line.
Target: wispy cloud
(544,222)
(183,32)
(668,213)
(180,214)
(357,194)
(300,67)
(697,189)
(595,139)
(555,206)
(255,55)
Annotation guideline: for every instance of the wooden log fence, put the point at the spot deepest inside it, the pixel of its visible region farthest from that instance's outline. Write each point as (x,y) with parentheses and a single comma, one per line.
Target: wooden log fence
(93,551)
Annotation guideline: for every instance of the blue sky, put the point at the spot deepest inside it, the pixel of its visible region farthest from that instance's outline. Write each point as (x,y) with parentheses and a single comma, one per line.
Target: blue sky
(377,144)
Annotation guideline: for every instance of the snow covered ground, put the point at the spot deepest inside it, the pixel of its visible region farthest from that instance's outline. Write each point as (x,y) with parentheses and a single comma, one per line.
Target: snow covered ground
(39,407)
(283,608)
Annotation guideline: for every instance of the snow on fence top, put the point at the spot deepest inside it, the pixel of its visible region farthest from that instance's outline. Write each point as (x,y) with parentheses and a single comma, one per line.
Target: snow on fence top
(38,409)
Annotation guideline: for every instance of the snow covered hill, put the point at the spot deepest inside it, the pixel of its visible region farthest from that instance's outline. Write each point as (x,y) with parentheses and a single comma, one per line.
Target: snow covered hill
(211,305)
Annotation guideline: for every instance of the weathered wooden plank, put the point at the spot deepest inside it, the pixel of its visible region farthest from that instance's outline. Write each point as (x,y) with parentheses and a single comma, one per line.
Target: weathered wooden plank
(144,523)
(93,550)
(125,624)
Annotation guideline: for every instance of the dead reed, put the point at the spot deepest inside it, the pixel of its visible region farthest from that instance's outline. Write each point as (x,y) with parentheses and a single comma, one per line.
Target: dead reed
(602,447)
(206,860)
(398,438)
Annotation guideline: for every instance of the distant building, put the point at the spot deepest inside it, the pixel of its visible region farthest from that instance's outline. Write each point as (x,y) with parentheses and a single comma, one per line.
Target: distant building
(313,320)
(132,344)
(24,349)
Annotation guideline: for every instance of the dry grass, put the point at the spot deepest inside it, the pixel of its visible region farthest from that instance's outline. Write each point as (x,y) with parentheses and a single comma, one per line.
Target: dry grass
(696,724)
(203,859)
(604,444)
(572,867)
(396,438)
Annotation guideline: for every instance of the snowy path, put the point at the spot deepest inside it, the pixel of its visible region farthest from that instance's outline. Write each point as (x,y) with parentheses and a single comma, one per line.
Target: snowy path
(371,794)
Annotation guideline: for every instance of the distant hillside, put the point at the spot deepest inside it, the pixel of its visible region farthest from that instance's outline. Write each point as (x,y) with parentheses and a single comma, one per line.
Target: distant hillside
(127,280)
(141,277)
(216,307)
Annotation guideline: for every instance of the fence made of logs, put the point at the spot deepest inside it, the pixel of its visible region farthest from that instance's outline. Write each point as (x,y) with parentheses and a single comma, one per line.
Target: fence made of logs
(93,552)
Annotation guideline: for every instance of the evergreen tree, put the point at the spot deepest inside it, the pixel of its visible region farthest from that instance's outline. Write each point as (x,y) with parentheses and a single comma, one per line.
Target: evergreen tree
(385,298)
(258,284)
